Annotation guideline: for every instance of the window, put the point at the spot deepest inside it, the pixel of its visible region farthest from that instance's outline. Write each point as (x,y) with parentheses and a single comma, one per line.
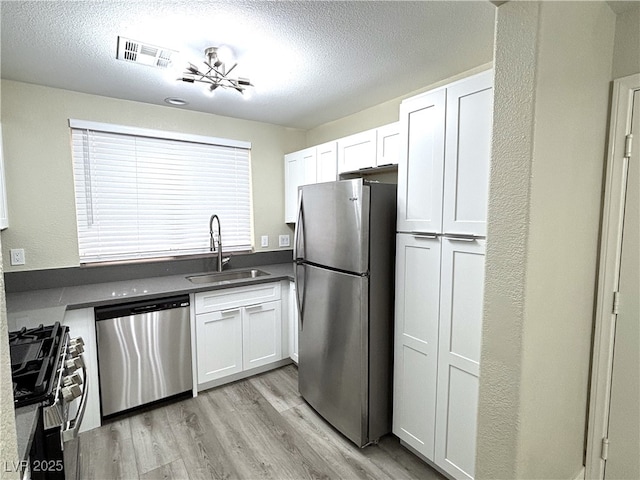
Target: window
(145,193)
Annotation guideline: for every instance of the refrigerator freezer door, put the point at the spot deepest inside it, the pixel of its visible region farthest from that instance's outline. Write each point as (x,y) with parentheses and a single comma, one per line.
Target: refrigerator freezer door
(333,225)
(333,350)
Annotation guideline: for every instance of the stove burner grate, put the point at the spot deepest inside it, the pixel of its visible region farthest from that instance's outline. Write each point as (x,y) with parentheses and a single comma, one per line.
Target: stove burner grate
(34,359)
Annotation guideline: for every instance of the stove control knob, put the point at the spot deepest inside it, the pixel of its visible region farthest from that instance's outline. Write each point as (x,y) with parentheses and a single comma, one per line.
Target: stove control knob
(71,392)
(75,350)
(73,379)
(76,341)
(73,364)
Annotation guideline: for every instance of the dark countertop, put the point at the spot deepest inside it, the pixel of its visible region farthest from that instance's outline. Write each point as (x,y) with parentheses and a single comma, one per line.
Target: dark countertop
(26,420)
(49,305)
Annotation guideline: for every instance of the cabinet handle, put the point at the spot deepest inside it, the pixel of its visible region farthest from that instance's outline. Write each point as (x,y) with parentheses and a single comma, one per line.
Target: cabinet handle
(470,238)
(424,235)
(230,311)
(254,308)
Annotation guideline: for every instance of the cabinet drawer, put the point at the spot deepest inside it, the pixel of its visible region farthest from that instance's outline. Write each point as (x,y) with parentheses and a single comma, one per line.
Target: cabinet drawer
(237,297)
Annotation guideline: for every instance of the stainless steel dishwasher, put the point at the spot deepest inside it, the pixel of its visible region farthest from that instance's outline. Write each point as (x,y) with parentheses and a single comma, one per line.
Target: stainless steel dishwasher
(144,352)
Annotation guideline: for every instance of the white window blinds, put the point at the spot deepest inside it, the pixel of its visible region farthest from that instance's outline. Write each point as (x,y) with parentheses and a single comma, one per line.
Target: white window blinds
(144,194)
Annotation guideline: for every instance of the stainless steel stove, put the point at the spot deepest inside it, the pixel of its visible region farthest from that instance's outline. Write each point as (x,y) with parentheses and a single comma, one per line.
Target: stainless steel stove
(48,370)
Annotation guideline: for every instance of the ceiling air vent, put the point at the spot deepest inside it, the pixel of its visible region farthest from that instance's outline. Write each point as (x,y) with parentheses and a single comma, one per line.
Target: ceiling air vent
(145,54)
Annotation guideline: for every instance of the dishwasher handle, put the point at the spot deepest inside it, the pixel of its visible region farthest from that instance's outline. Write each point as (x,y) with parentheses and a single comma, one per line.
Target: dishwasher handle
(141,307)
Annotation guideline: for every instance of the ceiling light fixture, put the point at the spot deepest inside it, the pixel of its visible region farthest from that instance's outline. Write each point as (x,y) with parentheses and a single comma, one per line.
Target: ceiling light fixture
(215,74)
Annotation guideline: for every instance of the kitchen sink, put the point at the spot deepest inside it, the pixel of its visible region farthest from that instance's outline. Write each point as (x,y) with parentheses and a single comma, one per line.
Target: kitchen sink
(226,276)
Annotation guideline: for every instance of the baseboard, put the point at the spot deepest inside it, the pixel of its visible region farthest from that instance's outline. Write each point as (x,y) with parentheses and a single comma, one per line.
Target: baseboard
(425,459)
(242,375)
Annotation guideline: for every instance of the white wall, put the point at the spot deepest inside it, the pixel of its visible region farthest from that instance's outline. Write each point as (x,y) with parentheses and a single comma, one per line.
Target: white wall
(382,114)
(553,68)
(39,172)
(626,55)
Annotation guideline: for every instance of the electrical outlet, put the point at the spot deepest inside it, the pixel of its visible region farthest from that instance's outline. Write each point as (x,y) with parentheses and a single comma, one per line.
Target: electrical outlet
(283,241)
(264,241)
(17,256)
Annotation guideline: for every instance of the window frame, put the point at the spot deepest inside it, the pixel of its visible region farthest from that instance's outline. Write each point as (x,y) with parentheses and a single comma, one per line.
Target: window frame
(135,255)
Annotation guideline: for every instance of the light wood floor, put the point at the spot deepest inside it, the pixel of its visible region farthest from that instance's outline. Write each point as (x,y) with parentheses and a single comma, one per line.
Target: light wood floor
(259,428)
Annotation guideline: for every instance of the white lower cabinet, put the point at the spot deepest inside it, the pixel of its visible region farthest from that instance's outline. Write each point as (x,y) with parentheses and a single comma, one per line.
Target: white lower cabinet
(219,344)
(81,323)
(294,323)
(261,334)
(439,290)
(237,329)
(416,341)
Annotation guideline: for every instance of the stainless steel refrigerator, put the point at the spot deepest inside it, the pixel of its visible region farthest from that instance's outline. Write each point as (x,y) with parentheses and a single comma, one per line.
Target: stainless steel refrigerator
(344,271)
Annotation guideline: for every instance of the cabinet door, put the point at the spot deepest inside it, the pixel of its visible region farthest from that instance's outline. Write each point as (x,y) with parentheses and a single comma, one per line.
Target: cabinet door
(416,341)
(262,334)
(326,162)
(468,154)
(357,151)
(388,144)
(219,344)
(293,176)
(308,159)
(462,284)
(421,163)
(300,169)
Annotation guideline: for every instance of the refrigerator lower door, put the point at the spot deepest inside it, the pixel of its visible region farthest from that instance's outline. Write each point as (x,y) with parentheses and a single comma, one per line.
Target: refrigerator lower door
(333,350)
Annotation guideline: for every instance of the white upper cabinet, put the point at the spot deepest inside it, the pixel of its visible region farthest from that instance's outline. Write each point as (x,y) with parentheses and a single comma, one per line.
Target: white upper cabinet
(445,152)
(326,162)
(388,144)
(467,155)
(300,168)
(4,216)
(378,147)
(357,151)
(421,165)
(292,180)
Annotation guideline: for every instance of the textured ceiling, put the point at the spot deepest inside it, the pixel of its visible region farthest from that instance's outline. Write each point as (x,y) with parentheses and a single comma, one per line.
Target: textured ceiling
(310,61)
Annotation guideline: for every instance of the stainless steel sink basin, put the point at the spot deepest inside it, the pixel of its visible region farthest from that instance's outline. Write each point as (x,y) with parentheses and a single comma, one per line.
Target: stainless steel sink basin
(226,276)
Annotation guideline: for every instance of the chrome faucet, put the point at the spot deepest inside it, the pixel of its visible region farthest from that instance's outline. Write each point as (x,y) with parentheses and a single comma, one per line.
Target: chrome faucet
(213,242)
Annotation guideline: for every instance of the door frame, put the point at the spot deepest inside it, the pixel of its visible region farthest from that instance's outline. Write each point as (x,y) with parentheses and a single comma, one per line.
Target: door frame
(608,274)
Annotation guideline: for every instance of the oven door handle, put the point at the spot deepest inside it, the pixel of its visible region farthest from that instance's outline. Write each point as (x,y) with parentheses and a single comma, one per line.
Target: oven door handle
(73,426)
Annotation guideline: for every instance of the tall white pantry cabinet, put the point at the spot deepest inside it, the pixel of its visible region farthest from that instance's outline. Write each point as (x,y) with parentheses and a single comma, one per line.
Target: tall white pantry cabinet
(442,201)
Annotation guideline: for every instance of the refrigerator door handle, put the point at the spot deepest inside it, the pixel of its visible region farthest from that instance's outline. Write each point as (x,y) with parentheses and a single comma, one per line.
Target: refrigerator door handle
(298,236)
(300,290)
